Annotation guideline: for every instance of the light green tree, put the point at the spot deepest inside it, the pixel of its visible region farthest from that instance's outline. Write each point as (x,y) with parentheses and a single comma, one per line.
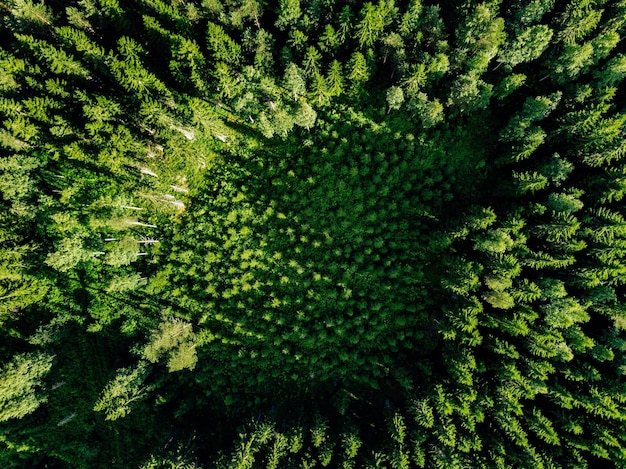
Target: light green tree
(223,48)
(499,299)
(468,93)
(123,252)
(18,289)
(429,112)
(479,37)
(305,115)
(294,81)
(20,381)
(574,59)
(71,252)
(329,40)
(126,283)
(126,388)
(508,85)
(494,242)
(358,69)
(527,45)
(176,339)
(26,13)
(613,72)
(288,13)
(335,79)
(311,61)
(374,19)
(395,98)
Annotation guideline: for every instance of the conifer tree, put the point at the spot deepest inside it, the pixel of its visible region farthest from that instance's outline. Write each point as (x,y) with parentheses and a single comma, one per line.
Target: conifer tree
(386,234)
(20,383)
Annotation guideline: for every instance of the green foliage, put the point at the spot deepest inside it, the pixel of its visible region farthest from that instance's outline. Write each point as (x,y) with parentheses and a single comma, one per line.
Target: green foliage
(386,234)
(499,299)
(27,13)
(374,18)
(430,112)
(123,252)
(118,396)
(305,116)
(509,84)
(175,338)
(529,45)
(469,93)
(71,252)
(19,383)
(395,97)
(222,47)
(496,241)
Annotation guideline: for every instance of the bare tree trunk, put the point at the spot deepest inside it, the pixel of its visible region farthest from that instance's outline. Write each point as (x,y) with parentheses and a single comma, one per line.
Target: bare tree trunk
(138,223)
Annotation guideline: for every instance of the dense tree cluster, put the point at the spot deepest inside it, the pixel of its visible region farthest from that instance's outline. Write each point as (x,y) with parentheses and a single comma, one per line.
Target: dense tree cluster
(312,233)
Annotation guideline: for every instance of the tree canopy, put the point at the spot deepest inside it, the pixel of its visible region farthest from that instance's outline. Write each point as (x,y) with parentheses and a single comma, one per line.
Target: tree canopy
(301,234)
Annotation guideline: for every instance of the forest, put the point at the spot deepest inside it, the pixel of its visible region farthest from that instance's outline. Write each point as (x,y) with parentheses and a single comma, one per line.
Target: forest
(242,234)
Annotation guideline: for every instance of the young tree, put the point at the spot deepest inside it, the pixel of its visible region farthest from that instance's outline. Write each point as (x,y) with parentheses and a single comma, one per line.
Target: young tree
(508,85)
(20,381)
(429,112)
(126,283)
(532,11)
(319,90)
(122,252)
(126,388)
(374,19)
(70,253)
(526,45)
(358,70)
(26,14)
(529,182)
(288,13)
(329,40)
(311,61)
(573,60)
(228,86)
(469,93)
(282,122)
(478,40)
(18,287)
(294,81)
(395,98)
(176,339)
(578,20)
(335,78)
(305,116)
(613,72)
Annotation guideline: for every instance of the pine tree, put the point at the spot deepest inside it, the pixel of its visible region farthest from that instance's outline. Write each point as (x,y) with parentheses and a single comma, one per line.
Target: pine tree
(27,13)
(395,98)
(289,12)
(335,79)
(20,381)
(70,253)
(374,18)
(305,116)
(528,45)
